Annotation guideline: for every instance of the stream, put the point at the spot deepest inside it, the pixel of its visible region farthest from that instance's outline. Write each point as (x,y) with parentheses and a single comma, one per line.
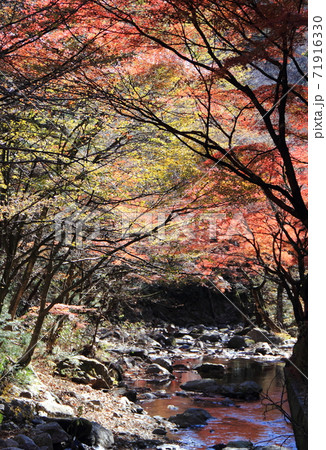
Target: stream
(232,420)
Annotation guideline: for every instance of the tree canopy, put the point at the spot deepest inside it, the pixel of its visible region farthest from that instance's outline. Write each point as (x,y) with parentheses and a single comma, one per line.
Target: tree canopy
(155,139)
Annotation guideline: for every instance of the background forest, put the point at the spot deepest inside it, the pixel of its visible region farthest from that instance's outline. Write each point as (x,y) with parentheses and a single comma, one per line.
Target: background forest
(148,146)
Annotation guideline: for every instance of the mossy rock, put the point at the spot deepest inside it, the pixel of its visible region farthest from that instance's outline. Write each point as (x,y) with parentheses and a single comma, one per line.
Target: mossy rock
(86,371)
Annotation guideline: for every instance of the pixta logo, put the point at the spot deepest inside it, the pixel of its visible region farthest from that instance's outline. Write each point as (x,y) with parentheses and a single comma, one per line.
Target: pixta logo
(74,225)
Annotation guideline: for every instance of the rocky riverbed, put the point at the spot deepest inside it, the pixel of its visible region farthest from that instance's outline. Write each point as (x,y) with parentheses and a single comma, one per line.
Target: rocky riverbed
(96,400)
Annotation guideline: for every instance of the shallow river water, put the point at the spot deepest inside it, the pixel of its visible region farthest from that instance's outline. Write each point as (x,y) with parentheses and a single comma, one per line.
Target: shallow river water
(242,420)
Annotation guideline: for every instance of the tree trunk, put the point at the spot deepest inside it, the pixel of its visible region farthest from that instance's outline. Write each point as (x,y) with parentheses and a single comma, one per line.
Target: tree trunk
(54,333)
(27,356)
(261,315)
(279,305)
(296,372)
(22,286)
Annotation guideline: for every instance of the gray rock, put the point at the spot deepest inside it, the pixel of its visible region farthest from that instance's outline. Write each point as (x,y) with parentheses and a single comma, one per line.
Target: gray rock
(185,340)
(247,390)
(237,342)
(260,335)
(5,443)
(156,369)
(181,332)
(43,440)
(26,442)
(140,352)
(270,447)
(191,417)
(213,337)
(87,432)
(263,348)
(57,433)
(163,362)
(52,408)
(209,370)
(85,371)
(207,385)
(148,342)
(165,341)
(159,431)
(19,410)
(100,437)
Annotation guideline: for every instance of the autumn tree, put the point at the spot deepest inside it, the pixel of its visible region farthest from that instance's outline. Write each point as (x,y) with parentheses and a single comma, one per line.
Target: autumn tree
(228,81)
(112,107)
(67,175)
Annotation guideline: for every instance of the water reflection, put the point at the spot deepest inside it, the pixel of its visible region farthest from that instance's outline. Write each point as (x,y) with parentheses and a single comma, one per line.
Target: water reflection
(241,420)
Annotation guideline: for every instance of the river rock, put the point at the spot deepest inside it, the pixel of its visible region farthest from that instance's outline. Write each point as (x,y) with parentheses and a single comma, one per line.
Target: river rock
(165,341)
(247,390)
(52,408)
(270,447)
(180,332)
(5,443)
(87,432)
(237,343)
(56,432)
(185,340)
(99,437)
(160,431)
(148,342)
(163,362)
(263,348)
(260,335)
(191,417)
(25,442)
(43,440)
(210,370)
(85,371)
(18,410)
(139,352)
(212,337)
(206,385)
(156,369)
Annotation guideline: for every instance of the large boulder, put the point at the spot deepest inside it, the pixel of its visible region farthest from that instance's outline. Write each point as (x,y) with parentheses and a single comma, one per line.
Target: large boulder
(25,442)
(52,408)
(260,335)
(87,371)
(191,417)
(98,436)
(210,370)
(18,410)
(237,342)
(87,432)
(57,434)
(206,385)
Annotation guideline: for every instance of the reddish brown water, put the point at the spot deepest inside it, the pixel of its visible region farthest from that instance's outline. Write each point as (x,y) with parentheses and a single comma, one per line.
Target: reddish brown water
(244,420)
